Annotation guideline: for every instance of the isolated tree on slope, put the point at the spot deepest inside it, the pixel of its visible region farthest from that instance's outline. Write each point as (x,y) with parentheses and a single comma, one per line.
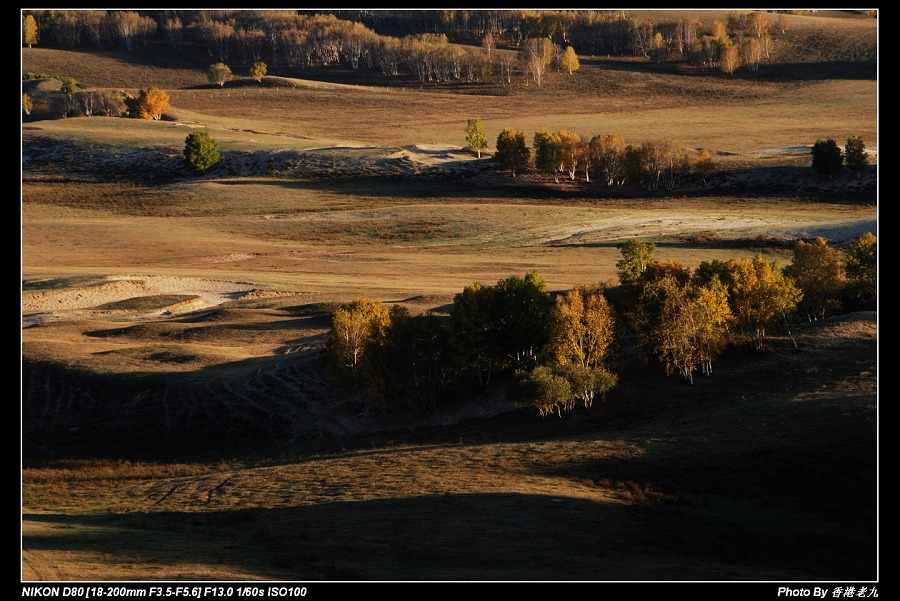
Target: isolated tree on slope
(258,71)
(218,74)
(570,60)
(200,151)
(475,136)
(27,104)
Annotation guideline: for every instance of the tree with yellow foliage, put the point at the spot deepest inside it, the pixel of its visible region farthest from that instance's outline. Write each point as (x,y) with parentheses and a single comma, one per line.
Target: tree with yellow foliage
(818,269)
(570,60)
(150,103)
(582,331)
(683,324)
(218,74)
(760,295)
(258,71)
(862,269)
(354,326)
(703,165)
(29,30)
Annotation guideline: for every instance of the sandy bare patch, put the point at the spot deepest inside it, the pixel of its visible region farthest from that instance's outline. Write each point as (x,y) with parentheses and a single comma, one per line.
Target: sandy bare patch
(44,305)
(431,155)
(233,257)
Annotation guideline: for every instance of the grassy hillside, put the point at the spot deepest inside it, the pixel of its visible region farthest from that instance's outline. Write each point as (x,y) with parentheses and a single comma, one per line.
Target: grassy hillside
(731,479)
(178,424)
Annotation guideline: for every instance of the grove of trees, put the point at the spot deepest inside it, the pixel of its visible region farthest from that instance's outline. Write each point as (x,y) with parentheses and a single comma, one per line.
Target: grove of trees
(558,351)
(653,164)
(434,46)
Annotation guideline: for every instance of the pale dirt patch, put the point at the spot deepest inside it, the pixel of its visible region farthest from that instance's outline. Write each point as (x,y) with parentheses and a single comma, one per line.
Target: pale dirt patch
(431,155)
(804,149)
(82,301)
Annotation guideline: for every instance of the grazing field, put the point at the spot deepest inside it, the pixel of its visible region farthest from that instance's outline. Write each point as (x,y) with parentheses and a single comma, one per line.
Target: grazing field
(178,423)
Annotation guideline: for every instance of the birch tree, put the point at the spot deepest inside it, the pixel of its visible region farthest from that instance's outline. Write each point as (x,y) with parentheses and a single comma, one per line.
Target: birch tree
(760,296)
(475,137)
(548,153)
(818,270)
(353,326)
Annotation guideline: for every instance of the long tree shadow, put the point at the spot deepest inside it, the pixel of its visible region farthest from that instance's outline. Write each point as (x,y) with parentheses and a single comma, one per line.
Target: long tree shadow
(471,537)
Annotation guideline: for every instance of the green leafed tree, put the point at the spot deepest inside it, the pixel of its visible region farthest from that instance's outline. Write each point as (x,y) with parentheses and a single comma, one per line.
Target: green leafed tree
(69,87)
(200,151)
(522,306)
(258,71)
(861,259)
(511,152)
(475,137)
(826,157)
(472,335)
(218,74)
(855,155)
(544,390)
(588,383)
(637,255)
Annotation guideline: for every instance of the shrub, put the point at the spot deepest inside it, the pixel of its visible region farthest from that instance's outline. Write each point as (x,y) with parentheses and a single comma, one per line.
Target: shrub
(200,151)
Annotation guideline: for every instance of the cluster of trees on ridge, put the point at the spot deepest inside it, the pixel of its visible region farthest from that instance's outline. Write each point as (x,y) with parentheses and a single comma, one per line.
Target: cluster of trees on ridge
(538,39)
(650,165)
(560,350)
(653,164)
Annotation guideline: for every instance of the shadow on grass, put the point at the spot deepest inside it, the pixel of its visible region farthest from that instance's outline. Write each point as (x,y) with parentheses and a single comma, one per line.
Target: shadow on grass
(501,536)
(777,72)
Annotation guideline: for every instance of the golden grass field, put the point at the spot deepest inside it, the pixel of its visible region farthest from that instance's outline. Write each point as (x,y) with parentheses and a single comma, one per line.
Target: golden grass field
(177,424)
